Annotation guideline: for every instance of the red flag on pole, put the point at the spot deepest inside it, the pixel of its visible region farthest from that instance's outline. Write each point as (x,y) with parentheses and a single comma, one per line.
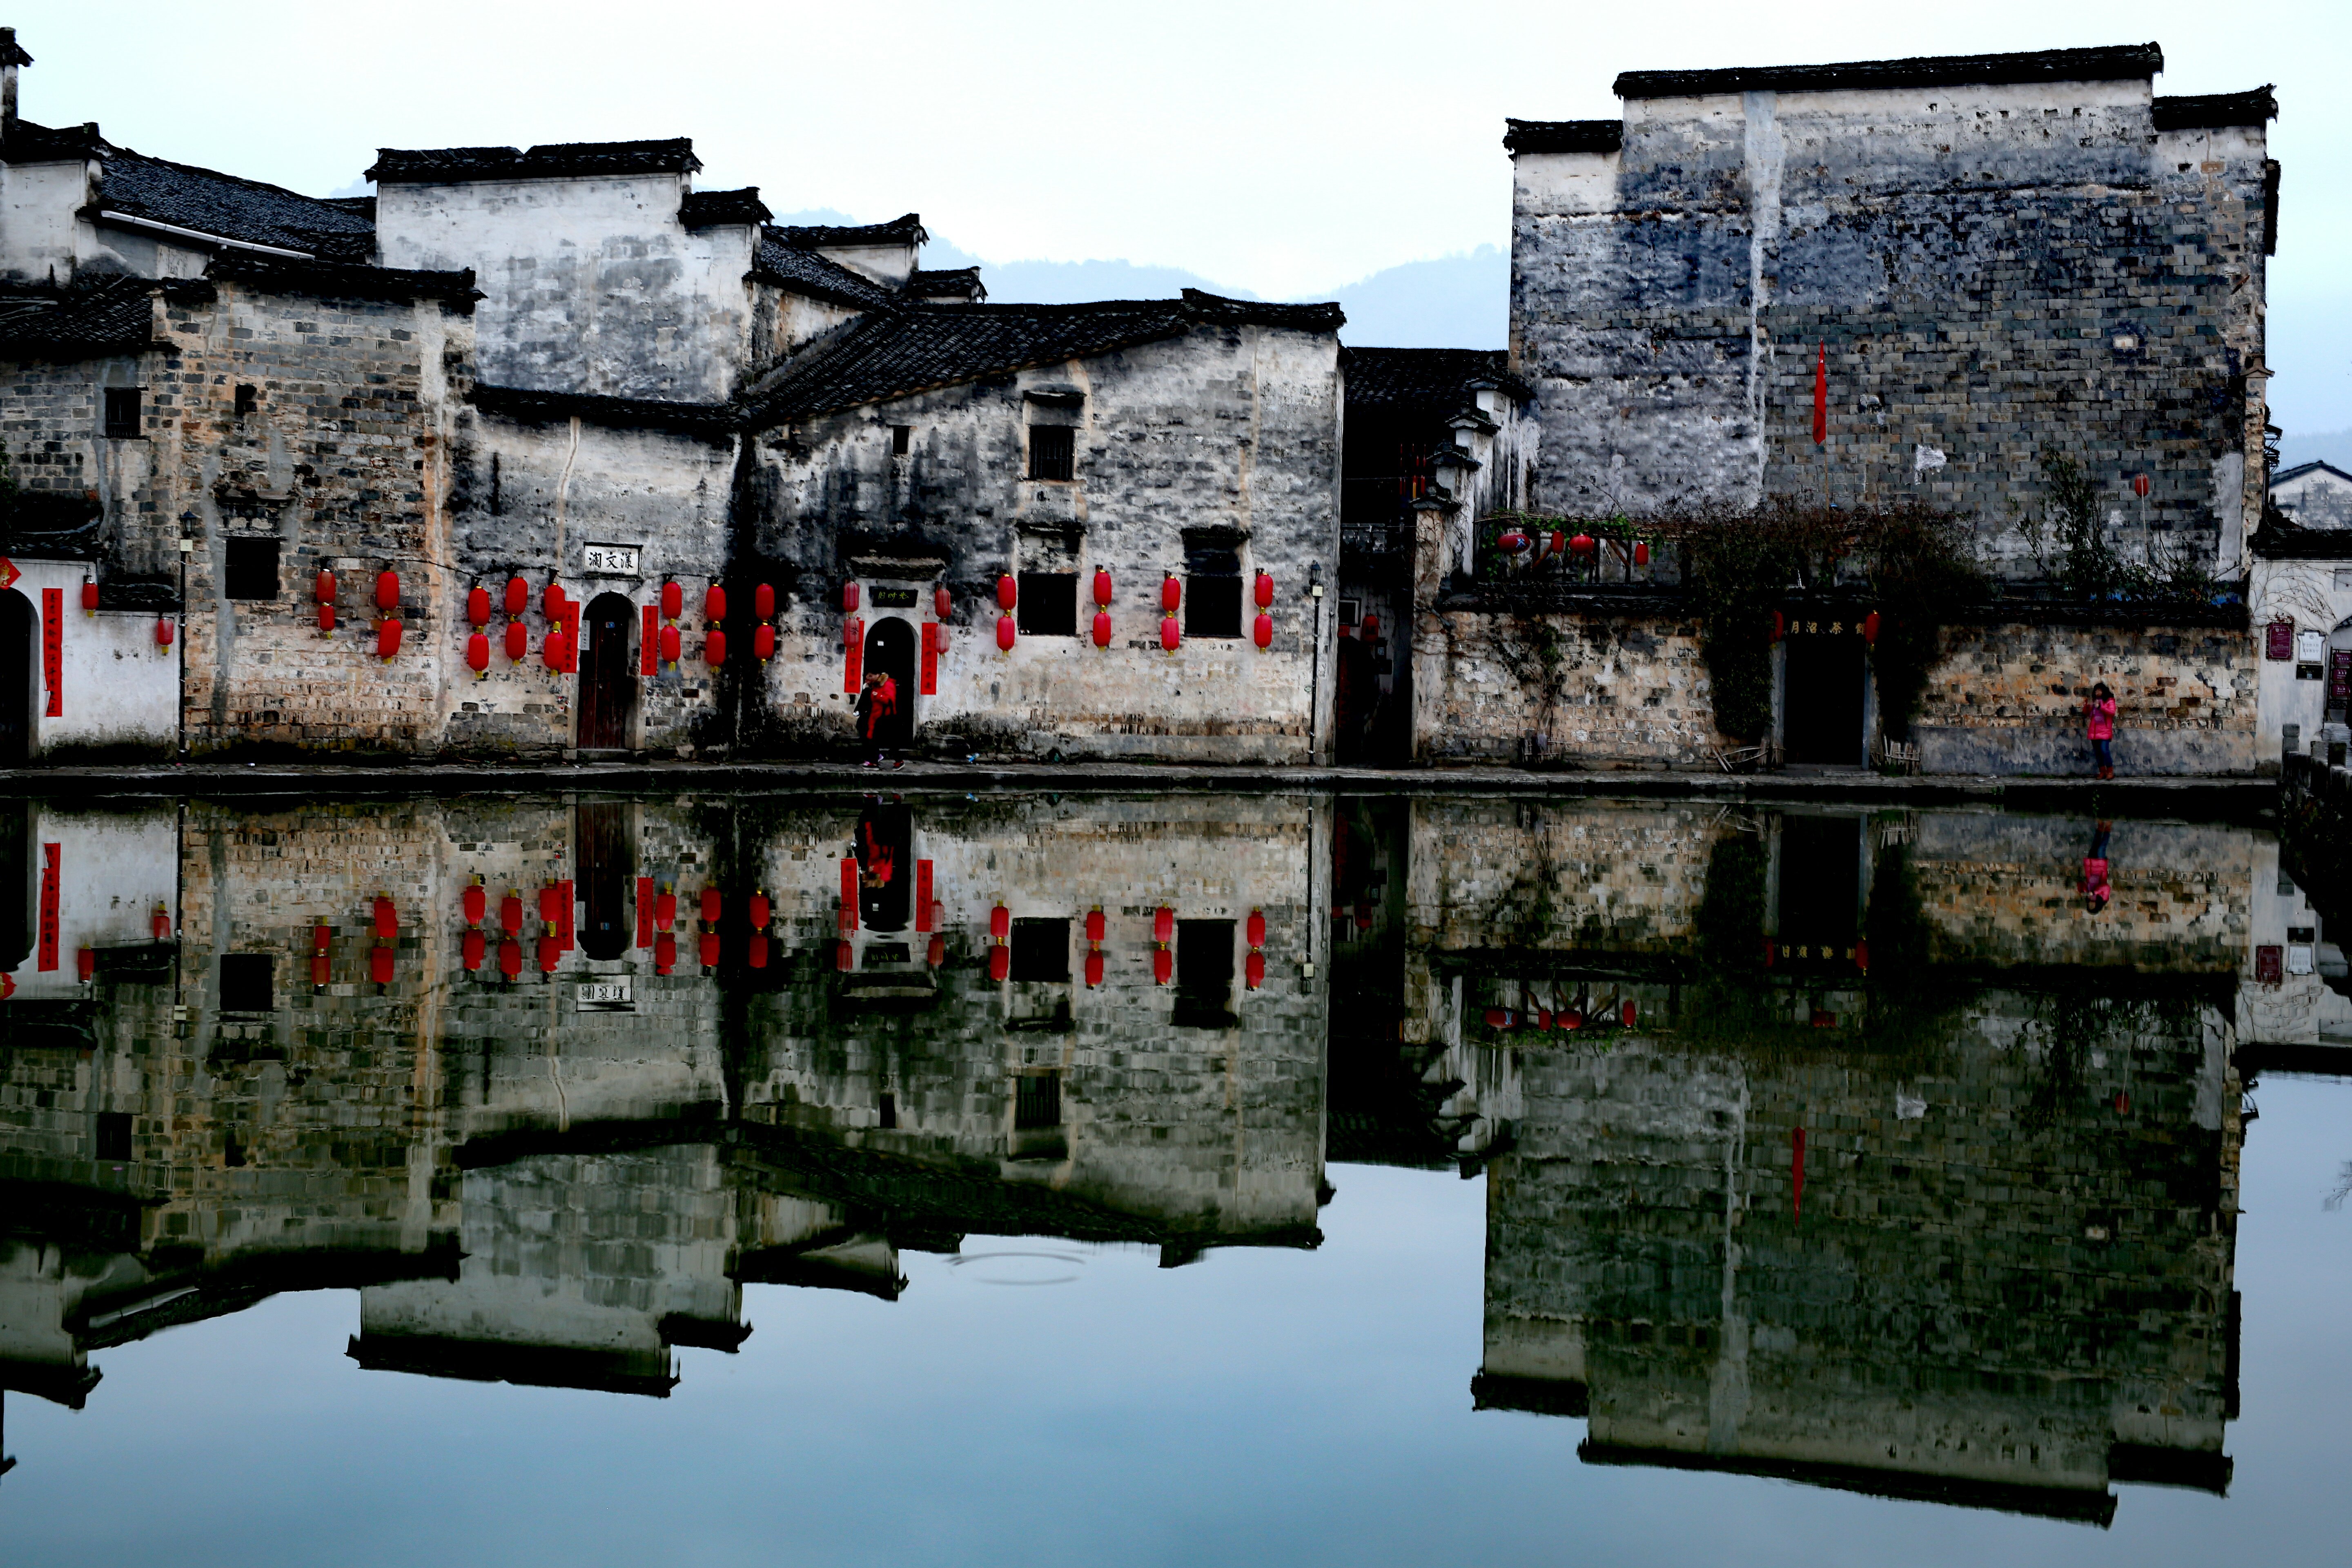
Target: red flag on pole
(1821,397)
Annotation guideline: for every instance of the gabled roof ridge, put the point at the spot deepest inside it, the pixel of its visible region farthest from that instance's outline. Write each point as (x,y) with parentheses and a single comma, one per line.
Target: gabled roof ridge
(2299,470)
(542,161)
(2124,62)
(906,228)
(113,151)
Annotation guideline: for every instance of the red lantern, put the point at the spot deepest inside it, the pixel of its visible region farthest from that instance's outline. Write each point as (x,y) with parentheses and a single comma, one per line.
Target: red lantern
(163,631)
(999,924)
(510,913)
(380,966)
(518,642)
(756,952)
(937,953)
(161,924)
(665,952)
(1779,626)
(1095,925)
(848,597)
(673,600)
(669,644)
(1171,633)
(320,936)
(1512,541)
(1264,589)
(518,595)
(1172,593)
(1008,591)
(759,912)
(942,603)
(322,969)
(1870,628)
(1641,553)
(935,636)
(714,647)
(1262,631)
(551,651)
(1004,634)
(1861,956)
(387,638)
(1572,1019)
(714,603)
(387,590)
(1102,587)
(1583,544)
(477,654)
(1370,628)
(763,601)
(551,903)
(476,902)
(1000,962)
(763,642)
(1163,925)
(477,606)
(1628,1013)
(90,596)
(551,600)
(471,950)
(1163,966)
(1102,628)
(1094,967)
(510,958)
(1254,930)
(665,910)
(1253,969)
(326,618)
(2140,486)
(551,953)
(1559,542)
(710,906)
(708,950)
(323,588)
(387,918)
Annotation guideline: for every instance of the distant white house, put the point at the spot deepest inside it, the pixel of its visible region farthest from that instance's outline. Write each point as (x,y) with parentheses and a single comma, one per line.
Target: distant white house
(2315,495)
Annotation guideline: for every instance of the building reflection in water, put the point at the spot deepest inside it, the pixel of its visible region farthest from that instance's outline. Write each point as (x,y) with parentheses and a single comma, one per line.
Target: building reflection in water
(1872,1152)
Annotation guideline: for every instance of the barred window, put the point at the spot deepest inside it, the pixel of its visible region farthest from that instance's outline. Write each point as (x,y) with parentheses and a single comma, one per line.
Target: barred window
(1053,452)
(123,421)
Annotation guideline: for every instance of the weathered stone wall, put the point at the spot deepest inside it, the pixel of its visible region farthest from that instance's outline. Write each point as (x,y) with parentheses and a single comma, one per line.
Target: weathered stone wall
(1223,435)
(1592,689)
(2007,697)
(1992,270)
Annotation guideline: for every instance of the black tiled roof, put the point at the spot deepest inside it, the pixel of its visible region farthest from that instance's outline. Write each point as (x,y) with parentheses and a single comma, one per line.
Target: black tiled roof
(2128,62)
(804,270)
(701,209)
(906,229)
(941,283)
(527,406)
(216,204)
(112,316)
(1564,135)
(2213,110)
(341,281)
(918,348)
(1434,381)
(552,159)
(26,143)
(361,206)
(2282,539)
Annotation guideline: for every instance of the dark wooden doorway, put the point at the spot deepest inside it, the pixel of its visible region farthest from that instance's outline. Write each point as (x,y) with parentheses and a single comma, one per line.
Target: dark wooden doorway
(608,688)
(1821,701)
(890,650)
(606,854)
(19,631)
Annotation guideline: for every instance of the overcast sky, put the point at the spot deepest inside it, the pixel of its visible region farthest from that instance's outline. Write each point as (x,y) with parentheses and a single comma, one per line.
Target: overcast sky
(1281,147)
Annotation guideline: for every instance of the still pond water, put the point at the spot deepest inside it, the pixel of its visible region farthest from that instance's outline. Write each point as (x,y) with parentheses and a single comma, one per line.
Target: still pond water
(1038,1179)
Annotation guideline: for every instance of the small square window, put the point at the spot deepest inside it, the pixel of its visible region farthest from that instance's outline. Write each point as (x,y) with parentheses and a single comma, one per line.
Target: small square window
(123,421)
(887,1112)
(252,569)
(113,1135)
(1041,951)
(1036,1101)
(902,437)
(1213,606)
(245,983)
(248,399)
(1049,604)
(1204,975)
(1053,452)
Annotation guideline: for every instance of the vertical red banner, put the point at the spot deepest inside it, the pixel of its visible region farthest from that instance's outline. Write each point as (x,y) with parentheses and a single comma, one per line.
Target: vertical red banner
(53,648)
(849,895)
(930,664)
(646,905)
(564,913)
(855,664)
(649,648)
(48,938)
(922,895)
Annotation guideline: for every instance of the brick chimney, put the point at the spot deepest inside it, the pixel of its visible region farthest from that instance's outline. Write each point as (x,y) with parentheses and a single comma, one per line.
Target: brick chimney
(11,57)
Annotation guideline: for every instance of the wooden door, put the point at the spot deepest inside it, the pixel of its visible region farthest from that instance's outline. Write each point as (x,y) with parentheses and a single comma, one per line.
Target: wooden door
(19,632)
(608,687)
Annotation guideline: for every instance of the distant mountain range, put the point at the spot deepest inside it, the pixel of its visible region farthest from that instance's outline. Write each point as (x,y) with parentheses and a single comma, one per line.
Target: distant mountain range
(2325,447)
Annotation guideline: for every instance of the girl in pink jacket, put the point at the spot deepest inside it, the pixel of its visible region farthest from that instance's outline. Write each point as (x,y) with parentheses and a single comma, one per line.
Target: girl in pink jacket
(2099,708)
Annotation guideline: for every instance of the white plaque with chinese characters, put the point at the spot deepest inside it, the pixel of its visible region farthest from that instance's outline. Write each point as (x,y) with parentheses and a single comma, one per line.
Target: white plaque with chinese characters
(616,560)
(606,993)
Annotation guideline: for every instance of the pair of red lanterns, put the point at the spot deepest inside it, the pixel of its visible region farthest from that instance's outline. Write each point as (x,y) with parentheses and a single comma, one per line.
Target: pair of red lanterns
(1544,1018)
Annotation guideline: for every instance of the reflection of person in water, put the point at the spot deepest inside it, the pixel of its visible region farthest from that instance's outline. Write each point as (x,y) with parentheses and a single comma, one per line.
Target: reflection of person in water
(2095,891)
(881,861)
(883,844)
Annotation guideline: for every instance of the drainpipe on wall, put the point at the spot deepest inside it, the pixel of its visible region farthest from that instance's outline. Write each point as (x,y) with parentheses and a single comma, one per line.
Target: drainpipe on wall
(1315,669)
